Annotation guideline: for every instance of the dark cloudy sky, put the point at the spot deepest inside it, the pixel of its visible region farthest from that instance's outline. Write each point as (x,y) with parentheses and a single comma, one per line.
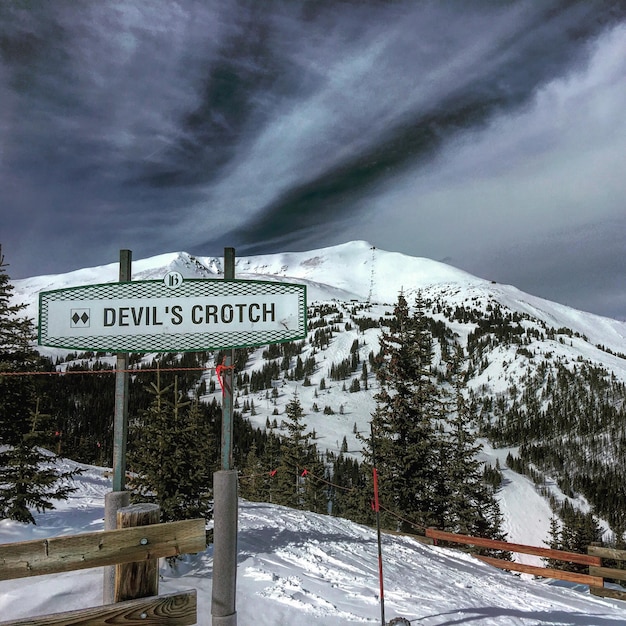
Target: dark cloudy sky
(487,134)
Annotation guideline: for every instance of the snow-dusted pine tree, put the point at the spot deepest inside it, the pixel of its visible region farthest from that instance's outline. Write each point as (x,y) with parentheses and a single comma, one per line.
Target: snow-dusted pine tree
(423,436)
(29,478)
(172,454)
(407,405)
(465,502)
(297,456)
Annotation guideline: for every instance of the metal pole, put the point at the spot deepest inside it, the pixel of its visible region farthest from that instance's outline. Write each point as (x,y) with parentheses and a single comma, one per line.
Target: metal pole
(227,414)
(377,510)
(223,604)
(120,420)
(118,498)
(227,396)
(224,589)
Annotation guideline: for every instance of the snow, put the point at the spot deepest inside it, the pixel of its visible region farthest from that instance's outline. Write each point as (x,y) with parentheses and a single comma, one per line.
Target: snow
(301,568)
(526,514)
(296,567)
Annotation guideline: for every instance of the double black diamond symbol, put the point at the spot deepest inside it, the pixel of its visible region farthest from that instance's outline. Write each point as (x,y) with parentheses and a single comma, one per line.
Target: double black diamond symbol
(79,318)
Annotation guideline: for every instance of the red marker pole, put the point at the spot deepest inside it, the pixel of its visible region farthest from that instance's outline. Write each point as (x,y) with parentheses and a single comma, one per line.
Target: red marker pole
(380,552)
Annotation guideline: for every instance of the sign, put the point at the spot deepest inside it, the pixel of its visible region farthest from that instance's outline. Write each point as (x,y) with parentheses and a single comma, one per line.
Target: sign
(172,315)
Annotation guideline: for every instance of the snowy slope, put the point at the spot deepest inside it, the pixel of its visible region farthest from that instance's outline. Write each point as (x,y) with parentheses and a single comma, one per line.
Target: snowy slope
(357,271)
(298,568)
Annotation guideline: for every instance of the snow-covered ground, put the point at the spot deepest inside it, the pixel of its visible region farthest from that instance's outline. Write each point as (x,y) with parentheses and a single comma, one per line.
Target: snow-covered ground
(306,569)
(301,568)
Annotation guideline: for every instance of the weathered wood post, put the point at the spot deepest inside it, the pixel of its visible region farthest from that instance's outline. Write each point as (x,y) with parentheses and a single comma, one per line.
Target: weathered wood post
(139,579)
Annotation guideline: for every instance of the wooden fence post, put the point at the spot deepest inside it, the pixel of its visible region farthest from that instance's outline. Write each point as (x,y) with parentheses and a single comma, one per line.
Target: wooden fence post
(113,502)
(141,578)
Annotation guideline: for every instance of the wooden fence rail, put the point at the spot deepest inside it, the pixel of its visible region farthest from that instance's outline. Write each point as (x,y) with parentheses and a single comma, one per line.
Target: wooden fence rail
(62,554)
(595,578)
(608,572)
(177,609)
(112,547)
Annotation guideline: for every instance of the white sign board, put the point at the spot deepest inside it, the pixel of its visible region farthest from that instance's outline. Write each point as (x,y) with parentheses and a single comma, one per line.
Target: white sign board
(172,315)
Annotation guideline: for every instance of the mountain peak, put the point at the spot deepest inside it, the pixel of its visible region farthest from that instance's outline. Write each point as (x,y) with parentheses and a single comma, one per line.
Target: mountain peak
(358,268)
(355,270)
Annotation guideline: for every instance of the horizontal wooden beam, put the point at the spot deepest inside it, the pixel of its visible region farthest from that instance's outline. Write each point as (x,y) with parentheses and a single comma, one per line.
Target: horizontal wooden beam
(176,609)
(481,542)
(62,554)
(607,553)
(605,592)
(608,572)
(583,579)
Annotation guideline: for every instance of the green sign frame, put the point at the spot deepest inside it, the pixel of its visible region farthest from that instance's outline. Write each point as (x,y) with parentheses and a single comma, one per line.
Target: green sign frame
(172,315)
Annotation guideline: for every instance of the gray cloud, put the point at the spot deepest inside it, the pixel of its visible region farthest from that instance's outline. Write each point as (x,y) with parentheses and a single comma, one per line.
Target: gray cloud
(580,267)
(489,133)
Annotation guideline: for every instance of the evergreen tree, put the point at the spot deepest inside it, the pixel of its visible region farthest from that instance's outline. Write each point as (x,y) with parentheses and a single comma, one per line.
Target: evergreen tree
(270,463)
(297,453)
(465,503)
(355,385)
(423,437)
(172,454)
(316,494)
(579,531)
(29,478)
(350,493)
(576,531)
(554,537)
(253,484)
(17,335)
(403,436)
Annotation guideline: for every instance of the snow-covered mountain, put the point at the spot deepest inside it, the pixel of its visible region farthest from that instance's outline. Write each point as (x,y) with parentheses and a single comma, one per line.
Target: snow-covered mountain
(352,271)
(304,569)
(512,340)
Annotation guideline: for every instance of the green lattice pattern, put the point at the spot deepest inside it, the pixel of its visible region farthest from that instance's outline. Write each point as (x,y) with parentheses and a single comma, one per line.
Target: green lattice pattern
(197,287)
(174,342)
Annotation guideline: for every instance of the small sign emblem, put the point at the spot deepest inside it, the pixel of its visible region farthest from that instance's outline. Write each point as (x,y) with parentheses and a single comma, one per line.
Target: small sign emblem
(173,280)
(79,318)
